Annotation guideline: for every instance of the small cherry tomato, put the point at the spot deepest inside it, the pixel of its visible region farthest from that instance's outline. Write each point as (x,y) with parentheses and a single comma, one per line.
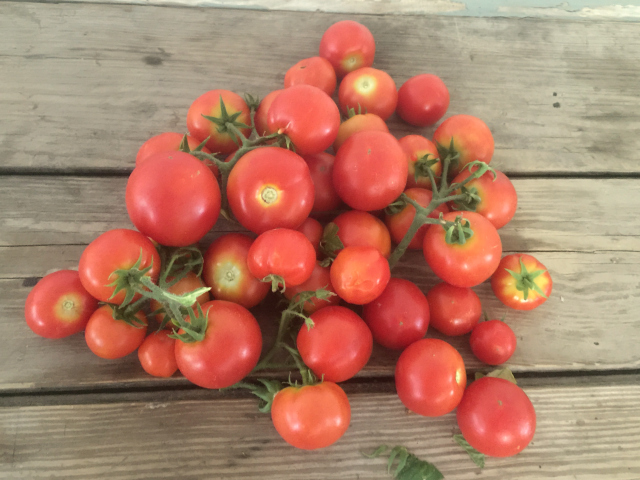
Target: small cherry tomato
(316,71)
(312,229)
(260,119)
(419,149)
(454,310)
(423,100)
(521,282)
(110,338)
(361,122)
(157,354)
(360,274)
(186,284)
(348,45)
(493,342)
(321,169)
(369,90)
(357,228)
(320,278)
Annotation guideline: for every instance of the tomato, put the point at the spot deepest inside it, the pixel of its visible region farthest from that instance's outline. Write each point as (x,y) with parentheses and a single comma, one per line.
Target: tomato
(498,198)
(157,354)
(320,278)
(316,71)
(270,187)
(171,142)
(454,310)
(493,342)
(260,118)
(337,346)
(209,104)
(370,170)
(430,377)
(471,137)
(173,198)
(369,90)
(321,170)
(110,338)
(358,123)
(114,250)
(59,306)
(359,274)
(423,100)
(464,265)
(400,222)
(348,45)
(528,287)
(312,229)
(399,316)
(311,416)
(496,417)
(357,228)
(188,283)
(284,253)
(307,115)
(415,148)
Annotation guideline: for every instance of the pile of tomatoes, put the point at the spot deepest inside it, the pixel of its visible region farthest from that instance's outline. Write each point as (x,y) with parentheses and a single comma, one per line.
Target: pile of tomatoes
(266,165)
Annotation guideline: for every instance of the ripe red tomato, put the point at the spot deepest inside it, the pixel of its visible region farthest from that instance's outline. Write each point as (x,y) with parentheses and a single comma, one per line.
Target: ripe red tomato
(316,71)
(399,316)
(357,228)
(307,115)
(321,170)
(527,287)
(416,147)
(260,118)
(157,354)
(311,416)
(209,104)
(173,198)
(496,417)
(188,283)
(337,346)
(493,342)
(320,278)
(368,89)
(59,306)
(370,170)
(313,230)
(358,123)
(423,100)
(348,45)
(170,142)
(229,351)
(454,310)
(114,250)
(227,273)
(464,265)
(360,274)
(110,338)
(270,187)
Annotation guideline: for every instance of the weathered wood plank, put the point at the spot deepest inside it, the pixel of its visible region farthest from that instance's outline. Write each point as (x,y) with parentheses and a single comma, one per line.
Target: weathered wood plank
(583,432)
(83,85)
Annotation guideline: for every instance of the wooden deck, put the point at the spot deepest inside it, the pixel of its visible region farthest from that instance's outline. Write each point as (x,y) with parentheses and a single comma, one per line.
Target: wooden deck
(83,85)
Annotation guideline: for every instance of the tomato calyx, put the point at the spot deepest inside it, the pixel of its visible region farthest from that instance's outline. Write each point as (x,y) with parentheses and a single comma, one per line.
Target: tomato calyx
(409,466)
(228,123)
(450,158)
(330,243)
(423,167)
(458,231)
(525,280)
(477,457)
(276,281)
(504,373)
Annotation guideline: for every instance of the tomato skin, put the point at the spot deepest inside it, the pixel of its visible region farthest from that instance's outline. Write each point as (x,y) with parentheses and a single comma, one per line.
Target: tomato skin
(316,71)
(423,100)
(493,342)
(338,345)
(454,310)
(503,283)
(348,45)
(359,123)
(260,119)
(157,354)
(430,377)
(185,285)
(357,228)
(321,169)
(371,90)
(115,249)
(399,316)
(229,351)
(465,265)
(270,187)
(416,147)
(312,229)
(311,416)
(58,305)
(110,338)
(496,417)
(370,170)
(170,142)
(359,274)
(320,278)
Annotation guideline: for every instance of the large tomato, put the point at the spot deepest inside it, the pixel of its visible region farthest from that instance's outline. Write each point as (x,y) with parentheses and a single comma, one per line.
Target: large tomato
(157,354)
(423,100)
(321,170)
(493,342)
(358,123)
(416,148)
(348,45)
(454,310)
(369,90)
(320,278)
(359,274)
(316,71)
(521,282)
(110,338)
(357,228)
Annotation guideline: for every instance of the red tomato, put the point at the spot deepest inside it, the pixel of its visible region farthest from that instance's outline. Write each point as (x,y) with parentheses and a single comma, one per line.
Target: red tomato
(493,342)
(229,351)
(498,196)
(527,287)
(357,228)
(358,123)
(430,377)
(359,274)
(157,354)
(173,198)
(416,147)
(311,416)
(464,265)
(370,170)
(454,310)
(170,142)
(260,119)
(111,251)
(209,104)
(337,346)
(368,89)
(270,187)
(398,317)
(59,306)
(316,71)
(312,229)
(423,100)
(110,338)
(320,278)
(496,417)
(307,115)
(227,273)
(188,283)
(321,169)
(348,45)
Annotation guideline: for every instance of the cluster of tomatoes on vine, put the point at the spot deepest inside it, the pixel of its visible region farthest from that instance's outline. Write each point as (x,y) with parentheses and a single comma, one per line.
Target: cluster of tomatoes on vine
(264,164)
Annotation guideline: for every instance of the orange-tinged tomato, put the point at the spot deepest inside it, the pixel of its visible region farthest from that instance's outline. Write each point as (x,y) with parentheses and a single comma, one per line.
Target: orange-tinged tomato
(416,148)
(358,123)
(521,282)
(368,89)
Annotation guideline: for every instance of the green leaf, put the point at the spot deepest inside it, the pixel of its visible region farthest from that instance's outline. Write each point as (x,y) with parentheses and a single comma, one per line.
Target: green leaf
(408,467)
(476,456)
(330,242)
(503,373)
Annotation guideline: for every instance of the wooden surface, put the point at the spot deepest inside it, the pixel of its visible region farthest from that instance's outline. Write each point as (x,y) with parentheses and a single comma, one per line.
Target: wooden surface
(82,85)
